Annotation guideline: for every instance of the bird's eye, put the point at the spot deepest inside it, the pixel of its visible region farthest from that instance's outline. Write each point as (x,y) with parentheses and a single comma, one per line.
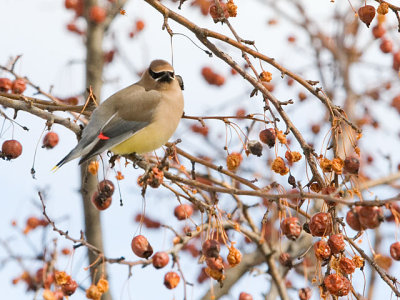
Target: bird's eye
(171,74)
(155,75)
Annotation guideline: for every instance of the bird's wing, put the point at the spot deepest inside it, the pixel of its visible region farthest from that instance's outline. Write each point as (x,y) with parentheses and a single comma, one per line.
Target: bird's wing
(115,120)
(114,133)
(134,110)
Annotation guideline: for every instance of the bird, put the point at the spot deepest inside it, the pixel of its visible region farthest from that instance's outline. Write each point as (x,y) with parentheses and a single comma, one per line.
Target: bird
(137,119)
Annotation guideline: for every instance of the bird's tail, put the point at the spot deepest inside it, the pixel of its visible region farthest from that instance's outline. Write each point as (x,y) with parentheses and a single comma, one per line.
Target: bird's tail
(76,152)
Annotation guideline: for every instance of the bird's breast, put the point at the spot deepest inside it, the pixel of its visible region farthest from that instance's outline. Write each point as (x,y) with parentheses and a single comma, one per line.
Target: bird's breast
(163,125)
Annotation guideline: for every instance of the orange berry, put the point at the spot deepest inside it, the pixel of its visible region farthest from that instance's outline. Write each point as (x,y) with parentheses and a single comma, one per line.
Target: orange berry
(171,280)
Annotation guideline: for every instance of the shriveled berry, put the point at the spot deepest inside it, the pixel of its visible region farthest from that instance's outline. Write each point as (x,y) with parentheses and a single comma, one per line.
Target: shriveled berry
(346,266)
(171,280)
(336,242)
(395,250)
(245,296)
(285,260)
(106,187)
(69,288)
(101,201)
(97,14)
(215,263)
(234,256)
(211,248)
(366,14)
(216,14)
(11,149)
(141,246)
(103,285)
(160,260)
(352,219)
(18,86)
(305,293)
(291,228)
(5,85)
(268,136)
(183,211)
(321,224)
(322,250)
(255,147)
(50,140)
(337,285)
(351,165)
(370,216)
(233,161)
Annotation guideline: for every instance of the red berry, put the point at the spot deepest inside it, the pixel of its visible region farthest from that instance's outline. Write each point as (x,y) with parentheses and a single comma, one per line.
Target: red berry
(321,224)
(322,250)
(396,61)
(73,28)
(183,211)
(44,280)
(337,285)
(346,265)
(211,248)
(50,140)
(160,260)
(245,296)
(97,14)
(396,103)
(305,293)
(336,242)
(101,201)
(11,149)
(71,4)
(353,220)
(366,14)
(370,216)
(171,280)
(5,85)
(291,228)
(378,31)
(18,86)
(395,250)
(141,246)
(106,187)
(69,288)
(268,136)
(386,46)
(351,165)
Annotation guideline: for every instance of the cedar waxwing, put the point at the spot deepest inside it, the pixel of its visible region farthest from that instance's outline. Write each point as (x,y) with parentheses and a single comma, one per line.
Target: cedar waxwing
(139,118)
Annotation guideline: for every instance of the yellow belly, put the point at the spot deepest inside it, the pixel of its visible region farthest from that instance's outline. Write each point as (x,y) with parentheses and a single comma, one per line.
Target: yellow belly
(145,140)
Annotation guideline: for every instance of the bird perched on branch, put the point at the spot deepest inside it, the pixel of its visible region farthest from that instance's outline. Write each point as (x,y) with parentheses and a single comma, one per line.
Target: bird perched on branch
(137,119)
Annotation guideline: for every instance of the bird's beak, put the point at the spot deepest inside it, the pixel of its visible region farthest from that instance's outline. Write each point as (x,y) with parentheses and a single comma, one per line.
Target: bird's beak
(167,77)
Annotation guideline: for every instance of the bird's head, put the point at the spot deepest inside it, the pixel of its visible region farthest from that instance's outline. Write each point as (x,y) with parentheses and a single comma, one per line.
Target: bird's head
(161,75)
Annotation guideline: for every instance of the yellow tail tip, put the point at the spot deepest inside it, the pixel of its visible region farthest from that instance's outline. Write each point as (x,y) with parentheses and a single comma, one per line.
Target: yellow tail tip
(55,169)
